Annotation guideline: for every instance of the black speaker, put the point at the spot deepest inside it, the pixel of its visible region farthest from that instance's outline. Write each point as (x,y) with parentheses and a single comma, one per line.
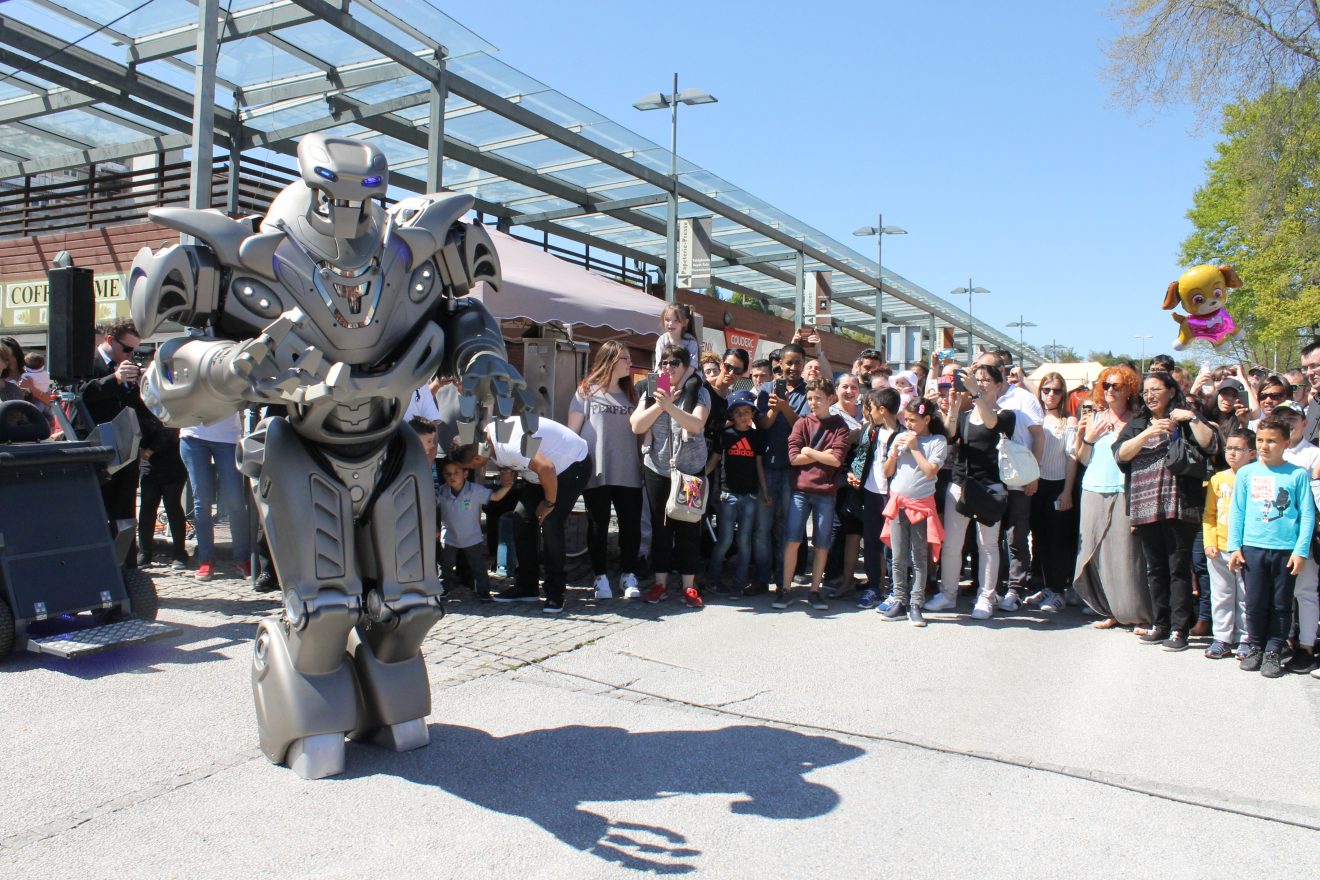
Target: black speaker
(71,324)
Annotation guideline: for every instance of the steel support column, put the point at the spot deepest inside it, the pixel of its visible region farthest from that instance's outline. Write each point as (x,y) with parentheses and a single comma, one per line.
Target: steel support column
(435,132)
(203,117)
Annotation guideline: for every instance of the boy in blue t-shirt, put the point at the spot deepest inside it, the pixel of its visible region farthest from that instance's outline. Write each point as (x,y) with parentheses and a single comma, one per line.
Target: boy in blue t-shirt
(1269,537)
(460,504)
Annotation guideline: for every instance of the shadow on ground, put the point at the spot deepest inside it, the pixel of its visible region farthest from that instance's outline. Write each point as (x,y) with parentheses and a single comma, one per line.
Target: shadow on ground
(546,776)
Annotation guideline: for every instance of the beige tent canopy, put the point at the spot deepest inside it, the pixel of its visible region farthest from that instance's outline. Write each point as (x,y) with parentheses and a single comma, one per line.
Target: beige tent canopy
(1074,374)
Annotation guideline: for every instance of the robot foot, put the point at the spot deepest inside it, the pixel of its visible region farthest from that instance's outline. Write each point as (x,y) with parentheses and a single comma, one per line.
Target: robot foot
(402,737)
(316,757)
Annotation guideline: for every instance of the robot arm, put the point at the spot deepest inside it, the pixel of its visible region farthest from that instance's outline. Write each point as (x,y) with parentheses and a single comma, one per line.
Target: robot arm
(476,357)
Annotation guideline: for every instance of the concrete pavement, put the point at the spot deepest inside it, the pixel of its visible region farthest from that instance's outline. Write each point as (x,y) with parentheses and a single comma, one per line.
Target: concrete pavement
(626,739)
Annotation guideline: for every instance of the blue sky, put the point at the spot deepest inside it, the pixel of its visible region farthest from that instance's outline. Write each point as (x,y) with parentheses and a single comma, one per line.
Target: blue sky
(985,130)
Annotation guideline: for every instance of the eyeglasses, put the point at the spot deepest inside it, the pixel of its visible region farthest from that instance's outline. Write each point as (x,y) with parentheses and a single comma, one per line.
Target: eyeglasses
(671,363)
(1238,450)
(732,368)
(128,349)
(1274,395)
(1051,391)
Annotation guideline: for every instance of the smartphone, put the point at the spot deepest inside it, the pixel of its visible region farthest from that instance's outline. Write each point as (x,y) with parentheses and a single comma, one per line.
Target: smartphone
(662,381)
(781,389)
(958,384)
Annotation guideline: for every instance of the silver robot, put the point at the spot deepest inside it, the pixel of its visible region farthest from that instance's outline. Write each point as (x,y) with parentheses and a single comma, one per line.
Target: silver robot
(336,309)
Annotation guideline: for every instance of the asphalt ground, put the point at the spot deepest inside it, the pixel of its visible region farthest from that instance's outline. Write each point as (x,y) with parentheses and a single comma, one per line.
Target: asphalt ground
(624,739)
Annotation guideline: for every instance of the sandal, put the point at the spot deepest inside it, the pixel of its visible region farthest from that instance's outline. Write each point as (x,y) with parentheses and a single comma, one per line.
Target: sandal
(1141,630)
(1107,623)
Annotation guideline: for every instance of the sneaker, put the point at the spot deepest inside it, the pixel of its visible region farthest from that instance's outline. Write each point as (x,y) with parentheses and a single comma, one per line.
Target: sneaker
(781,599)
(801,580)
(1270,665)
(1218,650)
(553,606)
(894,611)
(1050,602)
(628,583)
(265,582)
(1251,662)
(869,599)
(1301,662)
(204,571)
(691,598)
(602,586)
(483,596)
(1177,641)
(1073,600)
(914,615)
(245,569)
(518,594)
(942,602)
(755,588)
(983,610)
(143,560)
(817,601)
(1010,601)
(656,594)
(1154,636)
(179,565)
(1202,628)
(834,591)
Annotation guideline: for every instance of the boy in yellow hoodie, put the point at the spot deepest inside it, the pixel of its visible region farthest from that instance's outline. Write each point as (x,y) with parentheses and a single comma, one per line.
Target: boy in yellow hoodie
(1228,597)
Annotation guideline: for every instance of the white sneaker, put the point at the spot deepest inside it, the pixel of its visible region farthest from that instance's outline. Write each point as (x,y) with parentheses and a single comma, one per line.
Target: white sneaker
(1051,602)
(941,602)
(629,584)
(1010,601)
(602,585)
(984,610)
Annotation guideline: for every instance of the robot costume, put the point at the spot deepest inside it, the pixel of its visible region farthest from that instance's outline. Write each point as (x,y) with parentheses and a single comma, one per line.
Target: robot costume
(337,309)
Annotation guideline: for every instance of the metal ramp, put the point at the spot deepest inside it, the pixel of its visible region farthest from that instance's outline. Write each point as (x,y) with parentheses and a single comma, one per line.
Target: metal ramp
(95,639)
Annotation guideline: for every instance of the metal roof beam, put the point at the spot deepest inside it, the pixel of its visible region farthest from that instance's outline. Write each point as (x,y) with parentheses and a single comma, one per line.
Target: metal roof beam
(237,25)
(50,101)
(598,208)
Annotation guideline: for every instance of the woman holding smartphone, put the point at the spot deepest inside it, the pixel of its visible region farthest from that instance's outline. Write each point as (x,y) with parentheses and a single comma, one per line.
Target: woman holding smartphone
(675,442)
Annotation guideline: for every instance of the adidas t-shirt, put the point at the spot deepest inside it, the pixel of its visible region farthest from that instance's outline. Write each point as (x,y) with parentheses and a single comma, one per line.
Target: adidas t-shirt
(738,452)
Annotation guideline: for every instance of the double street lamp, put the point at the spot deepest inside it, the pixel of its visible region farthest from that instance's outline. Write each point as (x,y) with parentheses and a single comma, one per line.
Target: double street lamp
(1143,351)
(659,101)
(1022,323)
(880,230)
(969,290)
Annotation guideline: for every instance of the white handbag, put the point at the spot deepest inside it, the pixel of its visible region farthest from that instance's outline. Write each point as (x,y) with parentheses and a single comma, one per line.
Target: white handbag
(1017,466)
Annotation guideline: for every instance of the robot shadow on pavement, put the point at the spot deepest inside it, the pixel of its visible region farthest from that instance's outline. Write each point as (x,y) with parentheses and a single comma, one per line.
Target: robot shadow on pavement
(336,309)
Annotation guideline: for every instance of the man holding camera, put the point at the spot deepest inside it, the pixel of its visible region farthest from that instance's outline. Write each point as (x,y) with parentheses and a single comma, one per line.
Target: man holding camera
(114,388)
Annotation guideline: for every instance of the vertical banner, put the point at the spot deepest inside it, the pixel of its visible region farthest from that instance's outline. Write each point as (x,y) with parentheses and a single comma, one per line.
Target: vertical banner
(694,235)
(818,296)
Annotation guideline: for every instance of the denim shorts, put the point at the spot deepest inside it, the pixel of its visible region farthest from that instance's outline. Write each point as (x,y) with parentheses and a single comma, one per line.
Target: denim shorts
(821,510)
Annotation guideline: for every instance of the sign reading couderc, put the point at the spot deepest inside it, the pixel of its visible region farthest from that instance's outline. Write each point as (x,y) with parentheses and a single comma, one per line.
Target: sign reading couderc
(24,305)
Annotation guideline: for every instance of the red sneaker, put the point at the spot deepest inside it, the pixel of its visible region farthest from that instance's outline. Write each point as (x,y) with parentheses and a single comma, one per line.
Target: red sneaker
(692,598)
(245,568)
(204,571)
(655,595)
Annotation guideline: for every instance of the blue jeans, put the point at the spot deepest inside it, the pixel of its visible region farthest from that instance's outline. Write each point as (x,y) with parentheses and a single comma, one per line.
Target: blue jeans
(745,513)
(779,482)
(205,460)
(821,510)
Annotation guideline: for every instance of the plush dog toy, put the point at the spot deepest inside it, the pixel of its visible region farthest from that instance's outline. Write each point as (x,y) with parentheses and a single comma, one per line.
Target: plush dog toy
(1202,292)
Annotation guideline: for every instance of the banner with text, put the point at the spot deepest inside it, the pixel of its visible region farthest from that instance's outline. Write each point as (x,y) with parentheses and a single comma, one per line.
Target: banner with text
(694,235)
(816,300)
(24,303)
(744,339)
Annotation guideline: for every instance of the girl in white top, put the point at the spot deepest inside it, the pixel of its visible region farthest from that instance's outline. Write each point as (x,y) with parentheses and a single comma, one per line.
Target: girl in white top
(680,332)
(1053,520)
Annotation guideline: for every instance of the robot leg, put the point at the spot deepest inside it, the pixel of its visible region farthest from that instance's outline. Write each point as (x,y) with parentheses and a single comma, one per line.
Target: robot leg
(306,697)
(402,606)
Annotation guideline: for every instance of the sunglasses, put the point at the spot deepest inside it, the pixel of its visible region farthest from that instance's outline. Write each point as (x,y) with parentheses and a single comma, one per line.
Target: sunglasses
(671,363)
(1051,391)
(732,368)
(128,349)
(1274,395)
(1110,386)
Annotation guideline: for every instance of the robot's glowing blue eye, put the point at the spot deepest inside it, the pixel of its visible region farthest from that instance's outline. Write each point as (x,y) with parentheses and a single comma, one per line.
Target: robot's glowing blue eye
(326,173)
(371,181)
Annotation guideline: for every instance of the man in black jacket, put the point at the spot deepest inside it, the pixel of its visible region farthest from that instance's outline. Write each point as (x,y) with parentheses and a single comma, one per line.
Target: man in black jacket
(113,388)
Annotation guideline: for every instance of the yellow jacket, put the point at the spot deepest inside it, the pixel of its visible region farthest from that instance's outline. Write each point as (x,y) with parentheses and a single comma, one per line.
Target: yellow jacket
(1218,503)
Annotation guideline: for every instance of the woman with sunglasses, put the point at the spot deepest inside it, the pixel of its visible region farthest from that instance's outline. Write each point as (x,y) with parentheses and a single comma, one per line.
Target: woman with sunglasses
(1110,574)
(601,412)
(1273,391)
(675,442)
(1053,519)
(1164,508)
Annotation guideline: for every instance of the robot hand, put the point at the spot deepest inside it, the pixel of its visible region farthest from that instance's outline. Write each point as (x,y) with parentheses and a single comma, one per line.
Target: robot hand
(255,363)
(490,381)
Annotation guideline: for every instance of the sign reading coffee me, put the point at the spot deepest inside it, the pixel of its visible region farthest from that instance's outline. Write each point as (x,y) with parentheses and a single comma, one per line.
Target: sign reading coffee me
(24,305)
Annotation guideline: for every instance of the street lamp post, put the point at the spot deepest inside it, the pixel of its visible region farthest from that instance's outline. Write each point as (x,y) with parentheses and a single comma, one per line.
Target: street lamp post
(1022,323)
(880,230)
(1143,351)
(969,290)
(659,101)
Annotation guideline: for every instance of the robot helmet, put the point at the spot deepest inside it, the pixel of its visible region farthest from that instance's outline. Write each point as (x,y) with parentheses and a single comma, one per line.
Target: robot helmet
(344,175)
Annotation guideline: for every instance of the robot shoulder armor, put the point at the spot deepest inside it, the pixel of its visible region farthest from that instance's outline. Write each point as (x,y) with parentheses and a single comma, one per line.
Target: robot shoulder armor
(221,234)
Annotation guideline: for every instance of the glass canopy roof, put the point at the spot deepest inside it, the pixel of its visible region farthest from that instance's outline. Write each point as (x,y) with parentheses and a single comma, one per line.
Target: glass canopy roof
(85,81)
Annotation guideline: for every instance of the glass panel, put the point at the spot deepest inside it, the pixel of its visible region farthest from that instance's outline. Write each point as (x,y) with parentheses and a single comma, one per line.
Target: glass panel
(496,76)
(437,25)
(592,175)
(483,128)
(23,142)
(89,129)
(540,154)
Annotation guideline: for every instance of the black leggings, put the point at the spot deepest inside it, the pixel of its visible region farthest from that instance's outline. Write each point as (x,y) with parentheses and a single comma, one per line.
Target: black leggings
(1167,545)
(627,501)
(154,493)
(674,544)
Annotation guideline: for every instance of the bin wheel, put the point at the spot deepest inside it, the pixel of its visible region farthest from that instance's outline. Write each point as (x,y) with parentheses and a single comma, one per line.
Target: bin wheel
(142,600)
(6,629)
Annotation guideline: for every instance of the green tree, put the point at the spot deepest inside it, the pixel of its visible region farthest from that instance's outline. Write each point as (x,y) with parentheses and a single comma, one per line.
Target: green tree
(1259,211)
